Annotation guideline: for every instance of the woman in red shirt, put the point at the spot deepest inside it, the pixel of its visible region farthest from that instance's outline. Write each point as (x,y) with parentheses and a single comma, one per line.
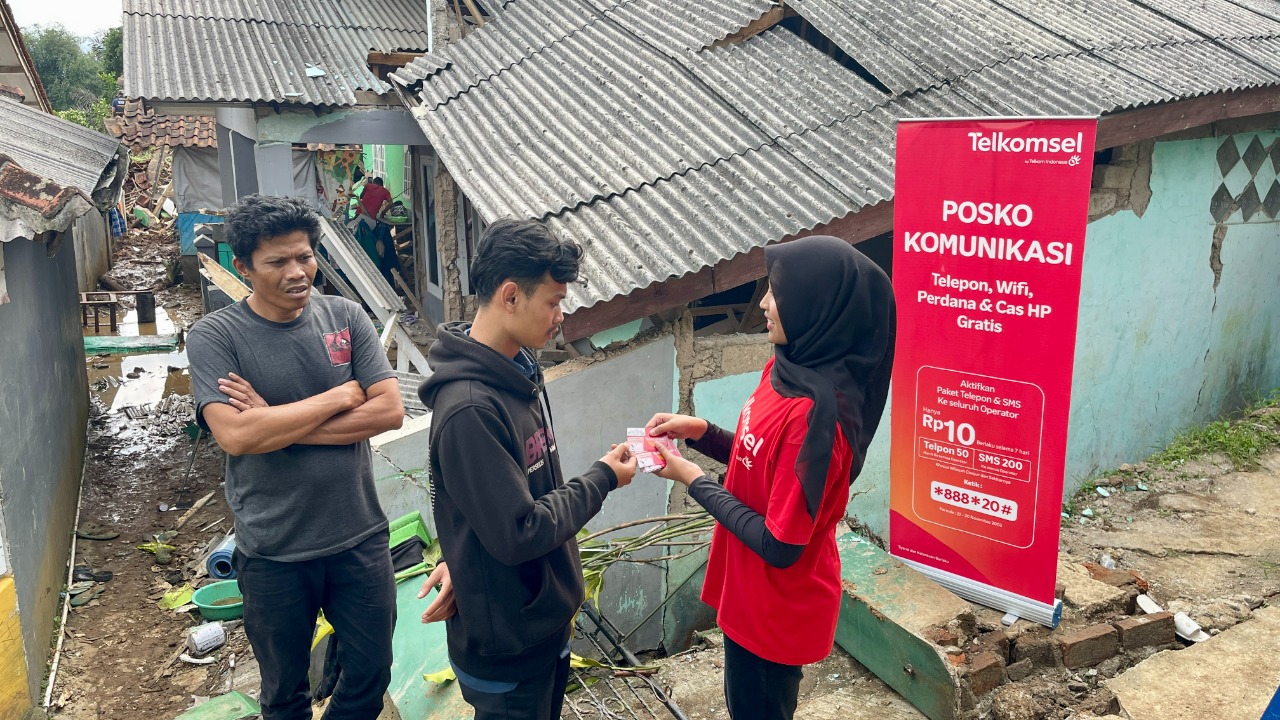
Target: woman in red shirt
(773,574)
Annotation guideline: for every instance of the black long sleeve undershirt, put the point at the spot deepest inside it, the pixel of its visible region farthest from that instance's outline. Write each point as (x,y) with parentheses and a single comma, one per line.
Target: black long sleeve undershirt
(716,443)
(746,524)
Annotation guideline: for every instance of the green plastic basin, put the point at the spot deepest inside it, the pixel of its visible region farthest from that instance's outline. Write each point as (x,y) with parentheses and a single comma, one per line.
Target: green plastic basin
(206,597)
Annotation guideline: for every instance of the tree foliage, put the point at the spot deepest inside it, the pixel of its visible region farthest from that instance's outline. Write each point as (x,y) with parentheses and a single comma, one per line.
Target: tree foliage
(79,74)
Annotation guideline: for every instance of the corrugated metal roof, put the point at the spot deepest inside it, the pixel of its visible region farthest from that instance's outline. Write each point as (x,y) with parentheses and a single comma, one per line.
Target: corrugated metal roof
(679,27)
(524,28)
(784,84)
(589,117)
(914,44)
(1263,51)
(420,69)
(693,220)
(891,66)
(1190,69)
(856,155)
(659,174)
(1069,85)
(1268,8)
(68,154)
(1216,18)
(410,15)
(201,59)
(1095,24)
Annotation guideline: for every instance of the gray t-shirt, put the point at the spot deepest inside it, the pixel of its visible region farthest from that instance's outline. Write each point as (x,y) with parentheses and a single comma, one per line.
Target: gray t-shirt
(303,501)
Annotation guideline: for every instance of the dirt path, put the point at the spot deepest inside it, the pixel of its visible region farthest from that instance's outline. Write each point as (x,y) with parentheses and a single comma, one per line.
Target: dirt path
(115,645)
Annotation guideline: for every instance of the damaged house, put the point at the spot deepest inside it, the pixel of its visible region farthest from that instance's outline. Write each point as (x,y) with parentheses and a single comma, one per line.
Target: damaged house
(675,141)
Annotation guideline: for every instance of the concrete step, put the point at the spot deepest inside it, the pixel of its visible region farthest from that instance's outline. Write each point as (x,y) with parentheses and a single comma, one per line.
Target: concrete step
(1231,676)
(886,610)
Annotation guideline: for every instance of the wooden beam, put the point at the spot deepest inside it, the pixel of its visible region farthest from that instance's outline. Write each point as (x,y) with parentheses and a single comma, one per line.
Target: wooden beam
(745,267)
(396,59)
(475,13)
(1132,126)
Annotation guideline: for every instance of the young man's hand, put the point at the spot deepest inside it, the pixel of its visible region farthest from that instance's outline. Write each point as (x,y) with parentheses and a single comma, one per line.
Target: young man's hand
(444,606)
(679,469)
(677,427)
(623,463)
(351,394)
(240,393)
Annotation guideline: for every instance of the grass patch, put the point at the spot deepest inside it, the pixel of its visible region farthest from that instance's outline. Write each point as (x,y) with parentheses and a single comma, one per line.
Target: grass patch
(1240,440)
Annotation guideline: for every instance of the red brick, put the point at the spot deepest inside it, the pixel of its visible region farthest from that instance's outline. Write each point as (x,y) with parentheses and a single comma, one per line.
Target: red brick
(986,672)
(1146,630)
(997,642)
(1089,646)
(942,636)
(1114,578)
(1041,650)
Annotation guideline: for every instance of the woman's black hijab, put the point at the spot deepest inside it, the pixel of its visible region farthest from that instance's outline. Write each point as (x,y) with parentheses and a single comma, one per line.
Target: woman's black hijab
(838,313)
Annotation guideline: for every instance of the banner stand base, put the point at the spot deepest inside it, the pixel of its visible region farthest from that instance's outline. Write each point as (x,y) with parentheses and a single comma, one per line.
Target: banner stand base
(1023,607)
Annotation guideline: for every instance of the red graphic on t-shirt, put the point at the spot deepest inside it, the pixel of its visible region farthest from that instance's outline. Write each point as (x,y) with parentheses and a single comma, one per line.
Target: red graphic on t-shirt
(339,346)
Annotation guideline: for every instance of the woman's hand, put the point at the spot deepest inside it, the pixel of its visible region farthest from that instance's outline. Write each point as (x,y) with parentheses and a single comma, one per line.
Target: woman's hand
(679,469)
(678,427)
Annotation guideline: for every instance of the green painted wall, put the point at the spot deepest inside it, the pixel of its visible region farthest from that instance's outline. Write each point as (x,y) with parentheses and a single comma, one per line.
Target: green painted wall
(394,176)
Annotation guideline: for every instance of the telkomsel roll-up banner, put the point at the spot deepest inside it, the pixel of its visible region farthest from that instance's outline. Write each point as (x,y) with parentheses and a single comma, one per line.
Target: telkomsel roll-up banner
(989,226)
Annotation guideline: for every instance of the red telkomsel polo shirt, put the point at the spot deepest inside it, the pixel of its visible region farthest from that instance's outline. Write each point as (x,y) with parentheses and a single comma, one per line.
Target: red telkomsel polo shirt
(783,615)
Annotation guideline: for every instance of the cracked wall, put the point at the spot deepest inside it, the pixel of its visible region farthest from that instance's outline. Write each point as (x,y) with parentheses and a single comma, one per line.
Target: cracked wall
(1179,298)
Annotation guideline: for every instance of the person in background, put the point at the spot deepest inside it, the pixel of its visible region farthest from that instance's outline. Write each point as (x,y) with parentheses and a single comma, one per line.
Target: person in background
(773,574)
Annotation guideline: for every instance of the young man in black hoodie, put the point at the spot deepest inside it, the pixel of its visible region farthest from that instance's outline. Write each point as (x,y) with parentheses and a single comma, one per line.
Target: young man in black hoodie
(506,515)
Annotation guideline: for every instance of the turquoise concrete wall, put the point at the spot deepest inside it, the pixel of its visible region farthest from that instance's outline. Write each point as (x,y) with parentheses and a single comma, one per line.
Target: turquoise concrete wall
(1159,348)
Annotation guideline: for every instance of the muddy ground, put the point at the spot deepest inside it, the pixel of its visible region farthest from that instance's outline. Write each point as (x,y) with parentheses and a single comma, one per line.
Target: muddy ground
(116,655)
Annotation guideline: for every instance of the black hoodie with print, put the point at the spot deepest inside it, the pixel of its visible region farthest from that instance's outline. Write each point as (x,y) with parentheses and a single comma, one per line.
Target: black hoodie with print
(505,517)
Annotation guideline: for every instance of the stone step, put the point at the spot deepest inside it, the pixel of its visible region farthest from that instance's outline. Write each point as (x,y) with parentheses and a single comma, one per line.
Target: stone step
(1231,676)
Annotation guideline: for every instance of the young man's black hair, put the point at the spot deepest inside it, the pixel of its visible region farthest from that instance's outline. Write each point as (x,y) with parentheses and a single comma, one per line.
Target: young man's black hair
(258,217)
(523,251)
(377,181)
(505,514)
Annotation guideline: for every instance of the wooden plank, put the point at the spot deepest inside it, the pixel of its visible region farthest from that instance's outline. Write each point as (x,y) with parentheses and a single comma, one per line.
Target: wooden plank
(754,313)
(475,13)
(413,300)
(584,322)
(393,59)
(223,279)
(388,330)
(1149,122)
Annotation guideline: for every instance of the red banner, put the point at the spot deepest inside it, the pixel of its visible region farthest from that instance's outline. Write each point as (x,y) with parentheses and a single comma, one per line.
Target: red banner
(989,226)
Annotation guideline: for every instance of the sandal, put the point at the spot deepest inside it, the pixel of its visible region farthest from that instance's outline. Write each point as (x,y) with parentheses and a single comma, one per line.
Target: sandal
(85,597)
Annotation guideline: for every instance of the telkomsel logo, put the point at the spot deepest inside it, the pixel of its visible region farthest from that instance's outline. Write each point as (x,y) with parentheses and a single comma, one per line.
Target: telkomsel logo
(998,142)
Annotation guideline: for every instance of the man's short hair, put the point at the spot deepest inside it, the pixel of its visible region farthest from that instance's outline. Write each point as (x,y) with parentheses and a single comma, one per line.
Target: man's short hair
(525,252)
(377,181)
(262,217)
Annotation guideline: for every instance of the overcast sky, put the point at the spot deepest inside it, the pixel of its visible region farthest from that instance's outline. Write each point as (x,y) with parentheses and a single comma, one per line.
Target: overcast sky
(82,17)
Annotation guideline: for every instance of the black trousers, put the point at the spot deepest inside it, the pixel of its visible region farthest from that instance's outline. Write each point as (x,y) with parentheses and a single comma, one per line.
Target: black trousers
(537,698)
(757,689)
(356,589)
